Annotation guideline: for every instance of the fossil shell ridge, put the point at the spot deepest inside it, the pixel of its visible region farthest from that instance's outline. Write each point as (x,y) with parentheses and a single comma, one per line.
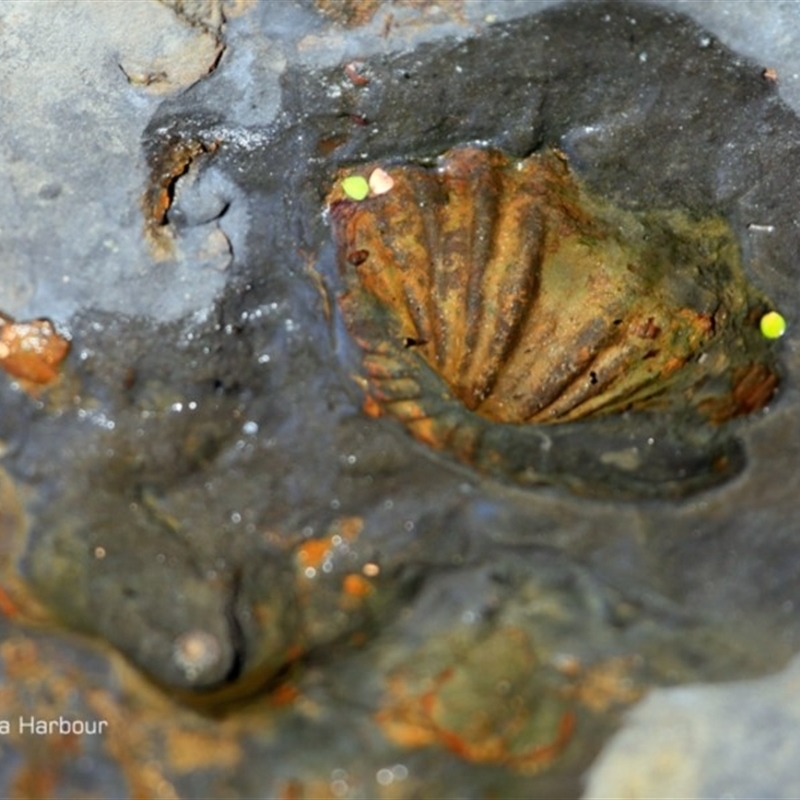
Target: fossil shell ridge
(533,301)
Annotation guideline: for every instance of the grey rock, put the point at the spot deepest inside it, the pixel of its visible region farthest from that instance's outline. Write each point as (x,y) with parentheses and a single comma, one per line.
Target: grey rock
(736,740)
(207,424)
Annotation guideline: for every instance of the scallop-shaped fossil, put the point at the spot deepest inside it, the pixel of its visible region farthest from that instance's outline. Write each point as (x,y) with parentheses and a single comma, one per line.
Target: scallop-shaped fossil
(534,301)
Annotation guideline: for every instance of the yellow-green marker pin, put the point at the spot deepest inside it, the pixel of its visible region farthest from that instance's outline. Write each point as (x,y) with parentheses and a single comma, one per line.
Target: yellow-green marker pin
(772,325)
(355,187)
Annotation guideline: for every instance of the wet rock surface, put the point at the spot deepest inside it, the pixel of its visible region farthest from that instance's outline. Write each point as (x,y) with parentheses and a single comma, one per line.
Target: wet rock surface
(304,594)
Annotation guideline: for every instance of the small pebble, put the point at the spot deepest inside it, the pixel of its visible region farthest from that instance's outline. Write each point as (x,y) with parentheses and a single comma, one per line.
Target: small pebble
(380,181)
(195,652)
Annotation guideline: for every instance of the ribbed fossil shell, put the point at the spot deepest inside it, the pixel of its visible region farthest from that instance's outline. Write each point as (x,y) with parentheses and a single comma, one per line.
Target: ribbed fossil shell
(536,302)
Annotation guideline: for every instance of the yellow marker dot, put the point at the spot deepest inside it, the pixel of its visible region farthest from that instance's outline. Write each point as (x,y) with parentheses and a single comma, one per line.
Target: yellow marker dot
(355,187)
(772,325)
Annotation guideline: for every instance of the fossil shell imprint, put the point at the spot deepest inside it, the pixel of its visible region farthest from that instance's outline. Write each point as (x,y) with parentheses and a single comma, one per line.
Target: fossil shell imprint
(536,302)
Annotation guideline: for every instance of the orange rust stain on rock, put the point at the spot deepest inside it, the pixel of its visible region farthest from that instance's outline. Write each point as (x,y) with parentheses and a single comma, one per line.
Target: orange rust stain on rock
(349,528)
(20,658)
(149,738)
(284,695)
(32,351)
(16,599)
(356,586)
(407,720)
(37,780)
(672,366)
(349,13)
(753,387)
(371,407)
(413,723)
(167,165)
(135,742)
(607,683)
(312,553)
(189,750)
(425,431)
(296,789)
(488,705)
(8,607)
(355,71)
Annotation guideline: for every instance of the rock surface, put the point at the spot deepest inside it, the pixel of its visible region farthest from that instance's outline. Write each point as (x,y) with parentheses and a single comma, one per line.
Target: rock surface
(209,545)
(733,740)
